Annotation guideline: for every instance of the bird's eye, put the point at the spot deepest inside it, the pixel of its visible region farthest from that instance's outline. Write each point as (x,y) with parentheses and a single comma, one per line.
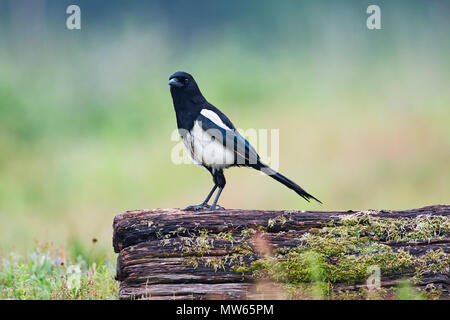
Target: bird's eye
(186,80)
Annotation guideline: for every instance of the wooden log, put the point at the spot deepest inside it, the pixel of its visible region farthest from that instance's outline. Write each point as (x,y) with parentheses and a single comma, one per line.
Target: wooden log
(177,254)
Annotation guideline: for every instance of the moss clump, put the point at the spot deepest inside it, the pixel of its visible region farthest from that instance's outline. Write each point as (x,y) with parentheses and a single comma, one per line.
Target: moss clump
(199,249)
(308,265)
(433,261)
(363,224)
(430,292)
(279,220)
(344,250)
(199,245)
(247,233)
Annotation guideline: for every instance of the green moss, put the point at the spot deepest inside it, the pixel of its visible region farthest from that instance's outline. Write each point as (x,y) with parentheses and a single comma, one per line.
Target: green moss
(344,250)
(277,221)
(340,253)
(431,262)
(224,236)
(430,292)
(363,224)
(198,246)
(215,263)
(247,233)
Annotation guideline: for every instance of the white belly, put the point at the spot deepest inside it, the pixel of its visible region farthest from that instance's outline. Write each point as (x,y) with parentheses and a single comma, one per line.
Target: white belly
(205,150)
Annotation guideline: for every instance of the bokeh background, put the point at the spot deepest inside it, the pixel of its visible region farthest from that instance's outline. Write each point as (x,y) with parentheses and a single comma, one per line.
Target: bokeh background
(86,116)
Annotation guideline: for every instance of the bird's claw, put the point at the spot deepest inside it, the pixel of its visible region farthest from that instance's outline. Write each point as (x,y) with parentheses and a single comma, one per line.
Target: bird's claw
(217,207)
(198,207)
(203,207)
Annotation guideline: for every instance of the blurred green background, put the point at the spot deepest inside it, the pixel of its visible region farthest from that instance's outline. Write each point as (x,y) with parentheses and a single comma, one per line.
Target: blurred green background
(86,116)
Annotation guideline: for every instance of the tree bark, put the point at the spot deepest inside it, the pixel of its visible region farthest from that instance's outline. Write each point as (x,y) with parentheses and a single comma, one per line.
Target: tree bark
(159,249)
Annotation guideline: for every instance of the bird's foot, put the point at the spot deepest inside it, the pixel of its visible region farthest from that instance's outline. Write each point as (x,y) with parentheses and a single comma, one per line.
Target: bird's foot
(204,207)
(217,207)
(198,207)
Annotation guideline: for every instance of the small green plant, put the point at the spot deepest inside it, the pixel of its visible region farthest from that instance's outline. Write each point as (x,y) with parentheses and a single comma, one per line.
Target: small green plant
(48,274)
(405,291)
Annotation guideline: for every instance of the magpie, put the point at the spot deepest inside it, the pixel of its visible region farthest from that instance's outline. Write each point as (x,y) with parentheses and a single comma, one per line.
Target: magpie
(212,141)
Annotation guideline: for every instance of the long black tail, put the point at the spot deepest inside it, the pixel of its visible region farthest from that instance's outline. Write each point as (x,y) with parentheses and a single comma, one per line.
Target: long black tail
(287,182)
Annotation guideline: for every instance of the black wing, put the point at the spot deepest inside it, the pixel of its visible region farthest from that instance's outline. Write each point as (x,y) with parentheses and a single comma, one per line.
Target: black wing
(245,154)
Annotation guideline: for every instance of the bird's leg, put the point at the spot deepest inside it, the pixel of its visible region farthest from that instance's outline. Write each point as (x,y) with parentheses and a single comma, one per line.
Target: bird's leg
(204,204)
(214,205)
(219,180)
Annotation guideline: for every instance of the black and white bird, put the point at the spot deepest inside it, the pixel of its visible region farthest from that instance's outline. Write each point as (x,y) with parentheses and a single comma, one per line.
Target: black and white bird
(212,140)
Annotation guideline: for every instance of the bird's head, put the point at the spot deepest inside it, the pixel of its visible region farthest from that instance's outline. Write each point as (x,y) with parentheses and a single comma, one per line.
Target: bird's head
(183,82)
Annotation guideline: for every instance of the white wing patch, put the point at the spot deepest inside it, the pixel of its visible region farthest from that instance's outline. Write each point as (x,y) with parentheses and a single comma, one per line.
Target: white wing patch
(211,115)
(205,150)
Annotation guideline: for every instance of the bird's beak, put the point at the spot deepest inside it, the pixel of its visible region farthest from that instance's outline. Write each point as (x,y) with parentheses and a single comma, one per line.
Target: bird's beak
(174,82)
